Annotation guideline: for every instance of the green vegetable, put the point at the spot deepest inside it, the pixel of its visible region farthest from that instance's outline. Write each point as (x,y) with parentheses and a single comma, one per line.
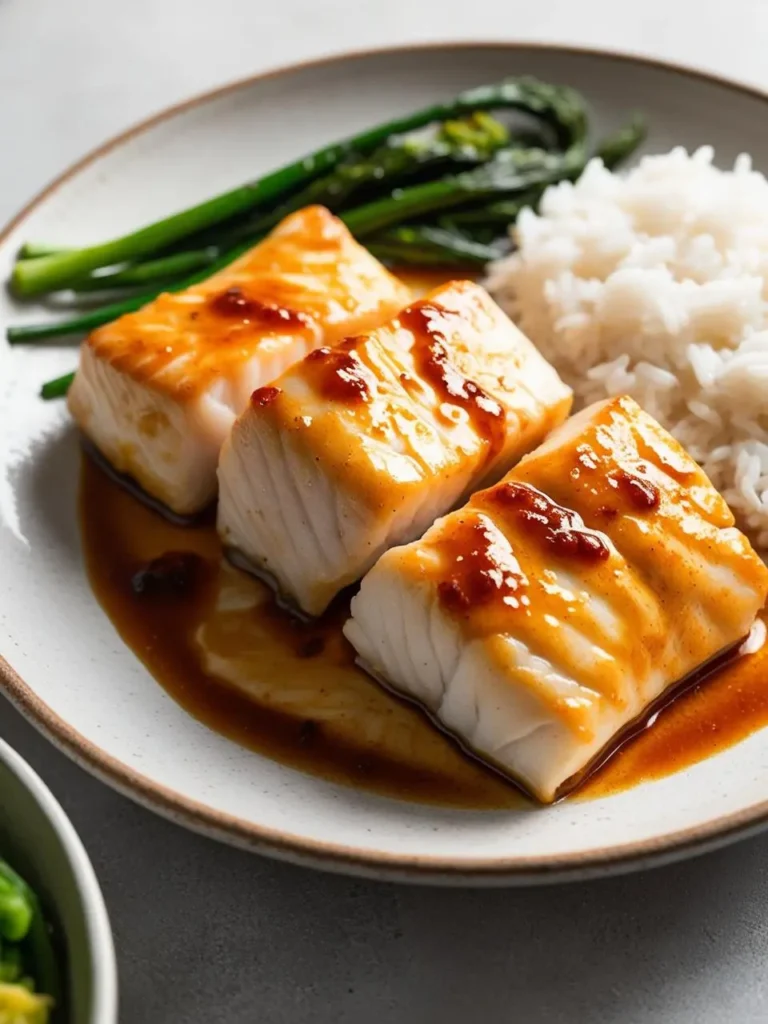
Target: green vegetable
(166,268)
(435,149)
(430,246)
(438,187)
(509,171)
(31,250)
(57,388)
(617,147)
(15,908)
(28,963)
(85,322)
(105,314)
(11,964)
(561,108)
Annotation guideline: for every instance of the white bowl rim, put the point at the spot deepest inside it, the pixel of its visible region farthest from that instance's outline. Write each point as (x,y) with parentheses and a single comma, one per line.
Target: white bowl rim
(235,831)
(101,948)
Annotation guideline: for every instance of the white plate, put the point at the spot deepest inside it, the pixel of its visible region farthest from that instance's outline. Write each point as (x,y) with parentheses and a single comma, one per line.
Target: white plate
(71,673)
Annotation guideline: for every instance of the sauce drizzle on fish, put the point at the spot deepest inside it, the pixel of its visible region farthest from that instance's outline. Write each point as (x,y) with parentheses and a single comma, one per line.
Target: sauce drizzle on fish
(122,537)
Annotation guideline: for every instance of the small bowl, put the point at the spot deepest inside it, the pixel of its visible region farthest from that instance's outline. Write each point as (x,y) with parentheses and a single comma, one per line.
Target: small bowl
(39,841)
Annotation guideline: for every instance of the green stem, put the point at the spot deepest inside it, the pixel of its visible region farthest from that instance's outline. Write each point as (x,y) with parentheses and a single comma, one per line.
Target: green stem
(431,246)
(31,250)
(617,147)
(58,387)
(29,333)
(48,273)
(167,268)
(509,172)
(563,108)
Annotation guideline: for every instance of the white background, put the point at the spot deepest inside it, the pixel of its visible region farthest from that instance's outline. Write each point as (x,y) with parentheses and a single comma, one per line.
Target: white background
(206,935)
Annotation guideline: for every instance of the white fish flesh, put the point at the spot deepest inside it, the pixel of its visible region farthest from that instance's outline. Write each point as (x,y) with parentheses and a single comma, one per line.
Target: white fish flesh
(361,447)
(547,616)
(158,390)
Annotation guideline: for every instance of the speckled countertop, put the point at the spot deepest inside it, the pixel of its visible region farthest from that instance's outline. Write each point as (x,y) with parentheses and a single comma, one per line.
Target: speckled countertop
(208,935)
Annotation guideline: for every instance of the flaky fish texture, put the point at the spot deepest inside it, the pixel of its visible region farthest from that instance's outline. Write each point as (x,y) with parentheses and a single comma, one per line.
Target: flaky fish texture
(158,390)
(545,617)
(361,447)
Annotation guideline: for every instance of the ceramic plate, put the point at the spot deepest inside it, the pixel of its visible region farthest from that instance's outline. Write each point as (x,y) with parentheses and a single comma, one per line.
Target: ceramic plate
(71,673)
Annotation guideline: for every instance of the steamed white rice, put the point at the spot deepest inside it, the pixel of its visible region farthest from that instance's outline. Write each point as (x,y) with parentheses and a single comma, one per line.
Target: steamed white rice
(655,284)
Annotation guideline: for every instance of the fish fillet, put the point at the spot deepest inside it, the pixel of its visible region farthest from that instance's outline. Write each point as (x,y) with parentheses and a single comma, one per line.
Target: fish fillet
(361,447)
(158,390)
(548,614)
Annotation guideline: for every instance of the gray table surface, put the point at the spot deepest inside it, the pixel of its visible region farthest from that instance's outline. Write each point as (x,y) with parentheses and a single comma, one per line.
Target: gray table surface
(208,935)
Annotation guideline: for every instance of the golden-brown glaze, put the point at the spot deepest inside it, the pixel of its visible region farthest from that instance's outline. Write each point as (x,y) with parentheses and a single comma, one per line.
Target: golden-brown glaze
(309,277)
(291,691)
(433,327)
(378,437)
(601,571)
(214,638)
(157,391)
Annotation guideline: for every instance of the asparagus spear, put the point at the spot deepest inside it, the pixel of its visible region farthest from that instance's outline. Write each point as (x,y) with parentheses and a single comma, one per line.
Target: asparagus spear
(166,268)
(468,142)
(454,143)
(617,147)
(509,171)
(430,246)
(104,314)
(560,107)
(519,175)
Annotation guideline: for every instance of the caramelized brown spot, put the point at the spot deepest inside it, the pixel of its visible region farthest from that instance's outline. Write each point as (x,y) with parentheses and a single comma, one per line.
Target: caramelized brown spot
(308,731)
(176,572)
(607,512)
(642,494)
(338,374)
(312,647)
(264,396)
(119,534)
(559,527)
(431,349)
(234,305)
(481,570)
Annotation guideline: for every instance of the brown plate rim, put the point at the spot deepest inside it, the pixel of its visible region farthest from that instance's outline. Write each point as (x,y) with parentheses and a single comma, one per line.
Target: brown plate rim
(236,831)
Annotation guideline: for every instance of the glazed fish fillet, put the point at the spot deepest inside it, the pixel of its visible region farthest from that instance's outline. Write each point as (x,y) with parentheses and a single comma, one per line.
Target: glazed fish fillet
(545,617)
(158,390)
(361,447)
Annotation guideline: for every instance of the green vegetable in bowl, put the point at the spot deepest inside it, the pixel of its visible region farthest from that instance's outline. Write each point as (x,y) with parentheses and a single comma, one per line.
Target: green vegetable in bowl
(29,976)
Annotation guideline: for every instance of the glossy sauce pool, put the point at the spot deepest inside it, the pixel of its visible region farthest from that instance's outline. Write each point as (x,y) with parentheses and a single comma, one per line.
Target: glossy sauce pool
(213,638)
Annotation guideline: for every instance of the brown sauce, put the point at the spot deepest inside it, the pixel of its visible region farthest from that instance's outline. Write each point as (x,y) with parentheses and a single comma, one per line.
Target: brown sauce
(478,573)
(215,640)
(642,494)
(233,304)
(338,373)
(429,322)
(262,397)
(549,523)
